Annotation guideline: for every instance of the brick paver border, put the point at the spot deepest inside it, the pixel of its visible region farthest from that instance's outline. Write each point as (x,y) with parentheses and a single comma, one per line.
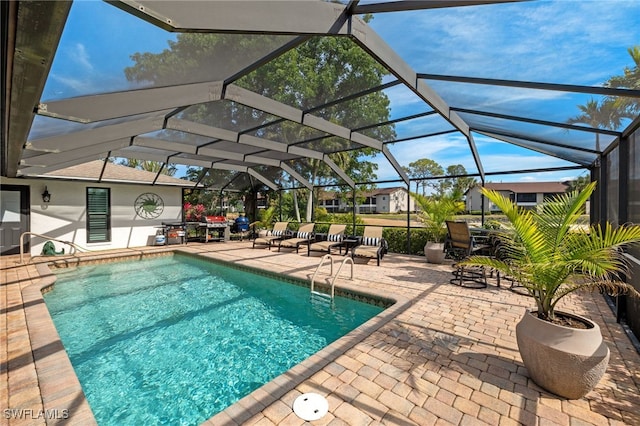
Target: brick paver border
(440,355)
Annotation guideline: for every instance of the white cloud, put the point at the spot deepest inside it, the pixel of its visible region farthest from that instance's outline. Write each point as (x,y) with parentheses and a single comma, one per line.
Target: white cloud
(79,73)
(73,84)
(566,42)
(535,177)
(510,162)
(81,57)
(76,74)
(495,156)
(537,41)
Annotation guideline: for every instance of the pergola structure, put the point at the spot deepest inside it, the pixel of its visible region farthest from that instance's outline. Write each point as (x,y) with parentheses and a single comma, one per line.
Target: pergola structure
(156,122)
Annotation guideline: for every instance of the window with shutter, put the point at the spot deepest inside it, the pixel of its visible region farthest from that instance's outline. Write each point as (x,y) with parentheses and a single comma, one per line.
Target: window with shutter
(98,215)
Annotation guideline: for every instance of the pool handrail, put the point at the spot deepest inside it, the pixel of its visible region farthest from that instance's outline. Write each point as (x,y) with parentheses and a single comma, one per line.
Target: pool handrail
(333,281)
(69,243)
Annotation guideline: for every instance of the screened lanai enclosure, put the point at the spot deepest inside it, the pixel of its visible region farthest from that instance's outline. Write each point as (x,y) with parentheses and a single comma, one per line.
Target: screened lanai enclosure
(347,95)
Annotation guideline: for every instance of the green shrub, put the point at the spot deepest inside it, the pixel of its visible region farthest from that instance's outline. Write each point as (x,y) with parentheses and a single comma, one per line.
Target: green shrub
(293,226)
(321,228)
(320,214)
(492,224)
(397,240)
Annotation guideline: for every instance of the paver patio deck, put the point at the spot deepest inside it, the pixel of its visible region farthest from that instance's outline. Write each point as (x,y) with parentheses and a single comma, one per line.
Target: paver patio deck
(443,355)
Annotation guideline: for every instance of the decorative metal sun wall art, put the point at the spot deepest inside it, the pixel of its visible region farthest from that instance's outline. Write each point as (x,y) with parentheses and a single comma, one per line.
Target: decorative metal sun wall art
(149,205)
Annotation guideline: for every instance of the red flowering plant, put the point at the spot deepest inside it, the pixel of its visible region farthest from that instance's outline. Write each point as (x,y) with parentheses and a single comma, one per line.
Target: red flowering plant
(192,213)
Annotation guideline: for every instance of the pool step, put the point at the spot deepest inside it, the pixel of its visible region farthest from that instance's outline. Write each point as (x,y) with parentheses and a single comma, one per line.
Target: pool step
(320,295)
(321,298)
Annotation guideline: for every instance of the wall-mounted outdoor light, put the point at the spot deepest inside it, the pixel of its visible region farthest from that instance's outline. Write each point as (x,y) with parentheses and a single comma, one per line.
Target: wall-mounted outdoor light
(46,197)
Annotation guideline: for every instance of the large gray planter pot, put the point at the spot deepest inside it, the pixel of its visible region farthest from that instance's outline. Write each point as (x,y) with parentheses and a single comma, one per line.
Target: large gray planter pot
(434,252)
(566,361)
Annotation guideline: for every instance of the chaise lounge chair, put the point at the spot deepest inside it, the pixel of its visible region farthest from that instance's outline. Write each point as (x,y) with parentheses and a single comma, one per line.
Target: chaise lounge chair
(304,236)
(334,239)
(276,234)
(372,245)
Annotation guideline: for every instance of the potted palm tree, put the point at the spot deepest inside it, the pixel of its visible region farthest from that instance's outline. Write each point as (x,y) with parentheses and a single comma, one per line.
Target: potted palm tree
(436,210)
(551,256)
(266,219)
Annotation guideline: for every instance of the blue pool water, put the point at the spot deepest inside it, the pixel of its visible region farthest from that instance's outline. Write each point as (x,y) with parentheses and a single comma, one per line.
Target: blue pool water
(174,340)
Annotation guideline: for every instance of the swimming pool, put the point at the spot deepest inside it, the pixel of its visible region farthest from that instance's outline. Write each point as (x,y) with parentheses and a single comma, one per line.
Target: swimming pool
(176,339)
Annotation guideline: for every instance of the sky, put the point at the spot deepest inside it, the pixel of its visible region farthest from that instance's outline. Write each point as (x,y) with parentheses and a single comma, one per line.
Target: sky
(570,41)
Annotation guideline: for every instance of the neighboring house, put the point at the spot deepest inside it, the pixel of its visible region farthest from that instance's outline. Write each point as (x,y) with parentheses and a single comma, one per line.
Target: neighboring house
(382,200)
(525,194)
(123,208)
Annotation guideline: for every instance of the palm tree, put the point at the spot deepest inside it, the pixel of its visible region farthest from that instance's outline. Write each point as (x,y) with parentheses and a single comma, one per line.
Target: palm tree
(436,211)
(608,114)
(604,115)
(629,107)
(551,258)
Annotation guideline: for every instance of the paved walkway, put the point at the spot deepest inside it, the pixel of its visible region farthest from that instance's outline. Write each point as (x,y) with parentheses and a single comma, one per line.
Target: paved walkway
(442,355)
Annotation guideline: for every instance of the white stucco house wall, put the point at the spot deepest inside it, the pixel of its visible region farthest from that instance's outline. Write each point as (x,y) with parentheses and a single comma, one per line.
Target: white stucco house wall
(393,200)
(381,200)
(64,216)
(525,194)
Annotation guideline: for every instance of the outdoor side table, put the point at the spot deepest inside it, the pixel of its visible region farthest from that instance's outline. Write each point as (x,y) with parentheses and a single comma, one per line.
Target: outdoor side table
(349,243)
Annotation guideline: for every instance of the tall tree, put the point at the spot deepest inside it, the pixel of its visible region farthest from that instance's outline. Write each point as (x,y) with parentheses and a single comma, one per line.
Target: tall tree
(600,115)
(317,72)
(424,169)
(314,74)
(459,184)
(149,166)
(578,184)
(610,111)
(630,79)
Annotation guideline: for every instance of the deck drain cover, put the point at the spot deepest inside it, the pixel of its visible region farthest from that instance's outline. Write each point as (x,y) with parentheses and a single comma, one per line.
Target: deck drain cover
(310,406)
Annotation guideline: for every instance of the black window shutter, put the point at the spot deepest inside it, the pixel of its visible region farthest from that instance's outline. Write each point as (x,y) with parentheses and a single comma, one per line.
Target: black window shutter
(98,215)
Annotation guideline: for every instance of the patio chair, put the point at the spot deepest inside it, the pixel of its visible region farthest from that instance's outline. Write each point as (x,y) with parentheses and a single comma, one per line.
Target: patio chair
(460,244)
(372,245)
(335,235)
(304,236)
(501,253)
(277,233)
